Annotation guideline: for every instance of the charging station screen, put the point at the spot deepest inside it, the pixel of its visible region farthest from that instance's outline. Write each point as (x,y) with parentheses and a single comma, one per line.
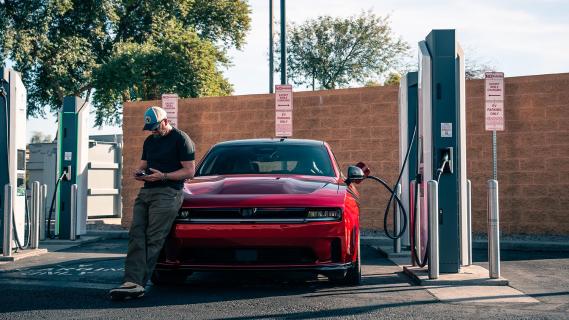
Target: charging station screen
(21,160)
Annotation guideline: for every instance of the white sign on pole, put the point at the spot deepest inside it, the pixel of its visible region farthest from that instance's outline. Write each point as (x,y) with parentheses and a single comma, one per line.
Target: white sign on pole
(170,104)
(494,83)
(494,116)
(494,107)
(283,110)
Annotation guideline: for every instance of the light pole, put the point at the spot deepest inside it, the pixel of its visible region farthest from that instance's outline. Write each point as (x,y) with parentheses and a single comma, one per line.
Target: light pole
(283,42)
(271,50)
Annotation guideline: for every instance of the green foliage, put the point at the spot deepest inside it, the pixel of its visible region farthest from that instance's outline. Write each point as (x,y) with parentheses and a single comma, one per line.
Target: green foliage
(39,137)
(337,52)
(120,50)
(392,79)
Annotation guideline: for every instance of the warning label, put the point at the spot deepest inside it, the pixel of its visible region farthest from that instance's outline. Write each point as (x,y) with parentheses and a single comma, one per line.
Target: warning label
(494,107)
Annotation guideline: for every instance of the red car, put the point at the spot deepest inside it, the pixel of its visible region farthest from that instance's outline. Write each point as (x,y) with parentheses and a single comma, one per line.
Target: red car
(267,204)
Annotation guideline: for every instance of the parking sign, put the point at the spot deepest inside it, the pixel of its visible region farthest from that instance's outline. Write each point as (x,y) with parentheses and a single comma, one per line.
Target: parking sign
(283,110)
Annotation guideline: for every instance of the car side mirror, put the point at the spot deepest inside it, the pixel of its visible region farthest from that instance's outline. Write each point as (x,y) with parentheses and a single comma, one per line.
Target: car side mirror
(355,174)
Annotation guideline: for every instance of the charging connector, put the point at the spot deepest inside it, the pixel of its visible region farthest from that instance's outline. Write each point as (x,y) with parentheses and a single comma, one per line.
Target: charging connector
(446,155)
(67,173)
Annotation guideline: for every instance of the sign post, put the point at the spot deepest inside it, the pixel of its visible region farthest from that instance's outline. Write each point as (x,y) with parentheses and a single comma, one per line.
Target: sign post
(170,104)
(494,111)
(283,110)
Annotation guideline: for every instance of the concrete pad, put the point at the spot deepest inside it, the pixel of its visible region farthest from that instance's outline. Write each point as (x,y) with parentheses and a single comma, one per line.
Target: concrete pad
(468,276)
(56,244)
(23,254)
(50,245)
(481,294)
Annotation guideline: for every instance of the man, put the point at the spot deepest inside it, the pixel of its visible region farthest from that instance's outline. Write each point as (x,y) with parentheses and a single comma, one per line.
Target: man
(167,160)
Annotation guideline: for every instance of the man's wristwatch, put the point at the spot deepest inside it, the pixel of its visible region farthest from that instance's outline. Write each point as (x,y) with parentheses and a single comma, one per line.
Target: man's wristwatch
(164,176)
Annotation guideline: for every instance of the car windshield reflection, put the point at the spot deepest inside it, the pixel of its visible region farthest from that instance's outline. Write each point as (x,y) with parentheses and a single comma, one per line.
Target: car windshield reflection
(263,159)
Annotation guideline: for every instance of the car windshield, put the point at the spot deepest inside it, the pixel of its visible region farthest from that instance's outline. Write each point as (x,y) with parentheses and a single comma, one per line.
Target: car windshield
(267,159)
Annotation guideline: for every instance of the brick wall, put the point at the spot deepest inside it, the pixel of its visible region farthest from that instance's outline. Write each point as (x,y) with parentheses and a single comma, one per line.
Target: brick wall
(533,155)
(362,125)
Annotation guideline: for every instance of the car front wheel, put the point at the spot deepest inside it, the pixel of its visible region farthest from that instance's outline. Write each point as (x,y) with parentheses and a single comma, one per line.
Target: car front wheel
(353,276)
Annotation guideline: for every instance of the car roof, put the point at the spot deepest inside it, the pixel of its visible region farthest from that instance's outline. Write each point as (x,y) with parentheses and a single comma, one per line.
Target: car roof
(271,141)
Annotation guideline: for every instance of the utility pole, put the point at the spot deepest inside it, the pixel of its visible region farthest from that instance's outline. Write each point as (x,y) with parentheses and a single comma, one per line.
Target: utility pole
(283,42)
(271,50)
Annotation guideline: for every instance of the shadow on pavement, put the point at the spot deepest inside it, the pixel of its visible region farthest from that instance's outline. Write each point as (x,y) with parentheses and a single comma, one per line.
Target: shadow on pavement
(52,291)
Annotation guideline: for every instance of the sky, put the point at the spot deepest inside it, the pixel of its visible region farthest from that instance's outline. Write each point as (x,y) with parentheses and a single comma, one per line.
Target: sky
(517,37)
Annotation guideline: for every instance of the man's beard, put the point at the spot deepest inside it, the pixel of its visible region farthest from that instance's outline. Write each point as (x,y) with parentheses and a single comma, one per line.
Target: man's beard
(157,134)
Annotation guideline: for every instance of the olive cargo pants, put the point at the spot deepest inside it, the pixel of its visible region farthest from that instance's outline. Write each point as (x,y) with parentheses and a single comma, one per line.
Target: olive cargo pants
(153,214)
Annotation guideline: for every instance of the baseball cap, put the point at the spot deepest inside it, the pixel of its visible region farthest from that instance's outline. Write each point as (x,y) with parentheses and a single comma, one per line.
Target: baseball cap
(152,117)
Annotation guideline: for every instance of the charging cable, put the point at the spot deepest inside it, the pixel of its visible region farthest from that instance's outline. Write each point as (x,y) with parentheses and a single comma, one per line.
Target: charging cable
(442,168)
(423,262)
(48,221)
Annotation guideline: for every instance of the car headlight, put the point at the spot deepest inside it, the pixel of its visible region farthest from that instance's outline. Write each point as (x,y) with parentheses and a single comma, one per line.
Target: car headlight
(324,214)
(183,214)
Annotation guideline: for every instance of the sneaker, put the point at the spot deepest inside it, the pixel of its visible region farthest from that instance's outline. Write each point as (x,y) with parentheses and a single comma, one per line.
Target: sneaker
(127,290)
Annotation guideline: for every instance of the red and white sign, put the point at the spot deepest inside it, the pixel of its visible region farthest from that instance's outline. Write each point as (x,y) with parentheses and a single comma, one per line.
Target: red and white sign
(283,110)
(494,116)
(283,124)
(494,107)
(494,83)
(170,104)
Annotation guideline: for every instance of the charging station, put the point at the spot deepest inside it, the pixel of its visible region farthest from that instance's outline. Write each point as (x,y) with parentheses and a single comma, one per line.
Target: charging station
(407,139)
(13,97)
(72,160)
(433,101)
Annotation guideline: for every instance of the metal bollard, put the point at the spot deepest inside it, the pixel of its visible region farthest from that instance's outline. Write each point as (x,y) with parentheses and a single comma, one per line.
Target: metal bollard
(417,223)
(35,215)
(469,220)
(42,217)
(397,221)
(8,235)
(412,205)
(493,230)
(73,220)
(433,207)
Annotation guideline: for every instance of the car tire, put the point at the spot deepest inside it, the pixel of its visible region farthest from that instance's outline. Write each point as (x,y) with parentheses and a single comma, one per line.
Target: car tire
(168,278)
(351,277)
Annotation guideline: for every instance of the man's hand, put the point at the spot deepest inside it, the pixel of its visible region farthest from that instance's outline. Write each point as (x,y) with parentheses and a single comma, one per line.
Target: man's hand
(136,175)
(141,168)
(155,176)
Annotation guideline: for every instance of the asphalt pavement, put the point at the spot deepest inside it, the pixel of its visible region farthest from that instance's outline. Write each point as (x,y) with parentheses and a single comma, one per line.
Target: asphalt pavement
(73,284)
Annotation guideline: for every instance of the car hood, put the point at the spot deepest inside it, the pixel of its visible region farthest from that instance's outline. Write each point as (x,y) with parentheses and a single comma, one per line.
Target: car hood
(255,190)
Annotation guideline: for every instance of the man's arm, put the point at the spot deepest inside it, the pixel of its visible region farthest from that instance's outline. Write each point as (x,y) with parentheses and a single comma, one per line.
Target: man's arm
(186,172)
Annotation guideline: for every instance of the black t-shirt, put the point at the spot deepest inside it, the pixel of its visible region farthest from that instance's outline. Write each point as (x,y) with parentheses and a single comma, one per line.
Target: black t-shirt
(164,154)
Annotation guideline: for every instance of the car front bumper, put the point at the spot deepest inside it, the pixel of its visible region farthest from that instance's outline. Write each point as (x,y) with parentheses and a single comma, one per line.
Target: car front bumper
(320,246)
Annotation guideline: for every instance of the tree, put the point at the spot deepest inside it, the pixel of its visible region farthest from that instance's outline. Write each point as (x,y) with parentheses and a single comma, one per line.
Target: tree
(392,79)
(112,51)
(475,69)
(332,52)
(39,137)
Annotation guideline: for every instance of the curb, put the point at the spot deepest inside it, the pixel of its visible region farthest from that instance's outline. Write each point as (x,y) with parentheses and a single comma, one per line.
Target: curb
(525,245)
(109,234)
(515,245)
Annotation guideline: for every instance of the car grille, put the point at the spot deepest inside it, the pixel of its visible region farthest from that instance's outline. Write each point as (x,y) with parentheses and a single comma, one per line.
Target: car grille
(251,215)
(288,255)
